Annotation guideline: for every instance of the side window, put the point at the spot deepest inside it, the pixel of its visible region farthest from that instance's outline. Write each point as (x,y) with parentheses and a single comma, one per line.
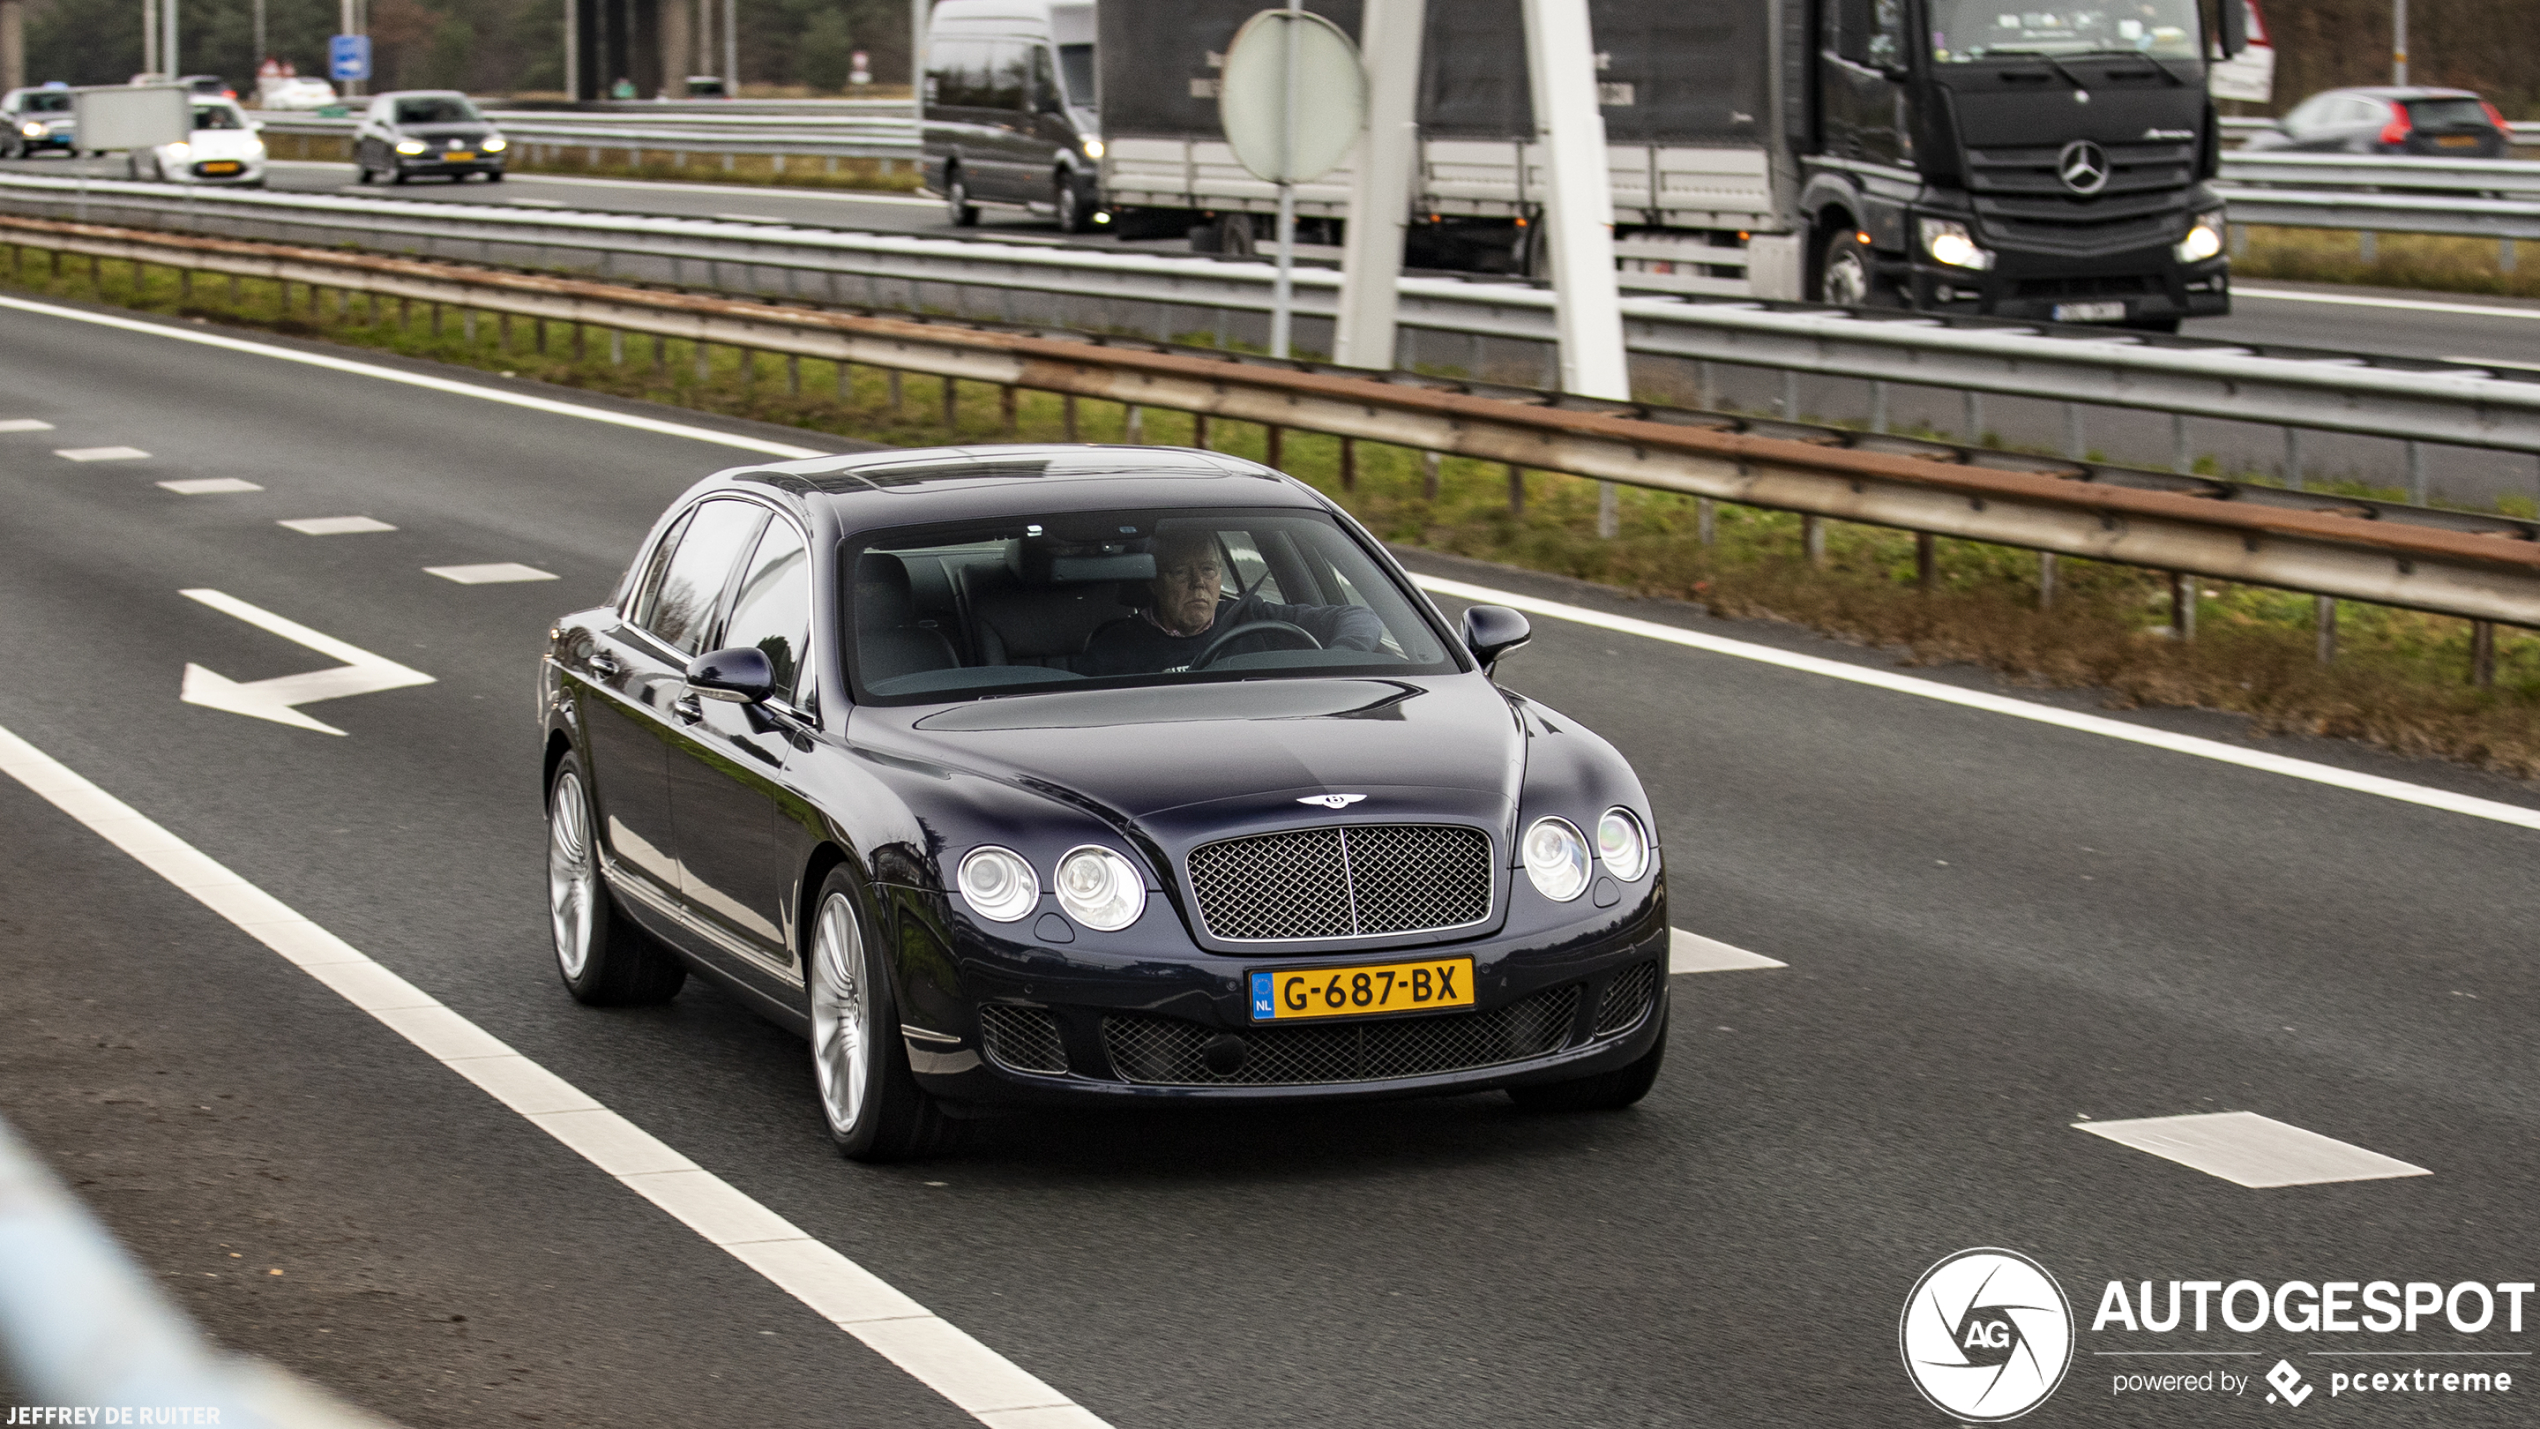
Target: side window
(953,72)
(681,613)
(1009,76)
(1887,35)
(772,609)
(1045,95)
(639,601)
(1249,567)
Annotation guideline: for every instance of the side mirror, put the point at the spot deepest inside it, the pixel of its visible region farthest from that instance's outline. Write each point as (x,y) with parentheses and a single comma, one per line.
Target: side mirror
(740,675)
(1491,631)
(2235,26)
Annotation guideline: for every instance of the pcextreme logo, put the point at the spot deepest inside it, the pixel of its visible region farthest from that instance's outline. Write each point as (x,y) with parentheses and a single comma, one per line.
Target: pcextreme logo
(1986,1335)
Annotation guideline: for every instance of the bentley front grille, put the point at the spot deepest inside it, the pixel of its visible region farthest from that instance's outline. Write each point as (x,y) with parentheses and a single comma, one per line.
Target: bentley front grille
(1168,1052)
(1350,881)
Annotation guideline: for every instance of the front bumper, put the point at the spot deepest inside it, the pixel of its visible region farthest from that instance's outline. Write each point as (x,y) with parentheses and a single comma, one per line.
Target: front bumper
(427,165)
(994,1021)
(220,171)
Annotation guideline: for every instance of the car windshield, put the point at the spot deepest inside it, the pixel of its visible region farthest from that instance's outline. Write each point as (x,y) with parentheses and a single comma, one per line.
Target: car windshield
(437,109)
(57,102)
(1967,30)
(2446,113)
(218,116)
(1125,598)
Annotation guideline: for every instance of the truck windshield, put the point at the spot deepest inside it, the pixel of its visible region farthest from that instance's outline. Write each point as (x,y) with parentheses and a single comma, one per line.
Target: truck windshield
(1963,31)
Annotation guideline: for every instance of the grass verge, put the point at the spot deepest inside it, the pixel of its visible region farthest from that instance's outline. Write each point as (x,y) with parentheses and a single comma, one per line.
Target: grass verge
(2433,262)
(2399,680)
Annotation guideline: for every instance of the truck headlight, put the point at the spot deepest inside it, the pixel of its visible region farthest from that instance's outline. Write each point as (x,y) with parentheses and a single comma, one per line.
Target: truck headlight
(1093,148)
(1947,241)
(2204,238)
(410,146)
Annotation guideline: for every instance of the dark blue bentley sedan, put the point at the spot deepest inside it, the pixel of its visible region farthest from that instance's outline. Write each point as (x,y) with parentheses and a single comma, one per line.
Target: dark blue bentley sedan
(1017,775)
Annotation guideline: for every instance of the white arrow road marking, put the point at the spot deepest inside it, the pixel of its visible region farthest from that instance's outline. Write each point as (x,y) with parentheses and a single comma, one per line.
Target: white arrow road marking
(362,673)
(25,424)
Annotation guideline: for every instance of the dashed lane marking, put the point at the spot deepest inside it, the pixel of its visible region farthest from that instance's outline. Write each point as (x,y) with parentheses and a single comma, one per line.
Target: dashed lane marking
(426,381)
(100,453)
(2250,1150)
(335,525)
(492,573)
(985,1384)
(209,485)
(2213,749)
(1693,953)
(25,424)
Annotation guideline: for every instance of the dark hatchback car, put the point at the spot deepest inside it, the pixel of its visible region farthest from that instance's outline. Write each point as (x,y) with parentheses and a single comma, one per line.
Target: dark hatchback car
(2448,123)
(37,120)
(1034,775)
(413,132)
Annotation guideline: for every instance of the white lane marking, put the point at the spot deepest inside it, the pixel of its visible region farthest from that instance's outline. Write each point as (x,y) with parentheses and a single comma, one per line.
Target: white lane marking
(25,424)
(2251,1150)
(751,218)
(100,453)
(1693,953)
(535,203)
(2495,362)
(417,379)
(2214,749)
(991,1388)
(335,525)
(2357,300)
(209,485)
(491,573)
(362,673)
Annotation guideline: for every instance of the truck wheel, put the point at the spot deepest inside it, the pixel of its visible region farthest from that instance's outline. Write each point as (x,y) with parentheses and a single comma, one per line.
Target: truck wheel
(1843,271)
(957,204)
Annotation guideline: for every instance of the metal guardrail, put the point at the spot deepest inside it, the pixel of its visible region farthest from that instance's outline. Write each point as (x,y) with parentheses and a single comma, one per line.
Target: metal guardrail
(841,137)
(2237,126)
(2481,568)
(85,1331)
(2427,402)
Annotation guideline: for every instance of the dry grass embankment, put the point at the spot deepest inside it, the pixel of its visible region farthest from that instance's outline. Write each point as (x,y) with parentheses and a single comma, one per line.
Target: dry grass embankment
(2399,681)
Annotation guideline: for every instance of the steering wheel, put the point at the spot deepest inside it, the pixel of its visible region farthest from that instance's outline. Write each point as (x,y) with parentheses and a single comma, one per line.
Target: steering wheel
(1290,634)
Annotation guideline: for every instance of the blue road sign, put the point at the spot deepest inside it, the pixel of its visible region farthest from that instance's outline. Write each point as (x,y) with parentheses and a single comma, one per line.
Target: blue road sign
(347,57)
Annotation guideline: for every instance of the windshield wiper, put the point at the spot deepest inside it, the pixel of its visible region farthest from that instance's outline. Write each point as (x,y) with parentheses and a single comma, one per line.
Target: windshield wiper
(2052,63)
(2154,61)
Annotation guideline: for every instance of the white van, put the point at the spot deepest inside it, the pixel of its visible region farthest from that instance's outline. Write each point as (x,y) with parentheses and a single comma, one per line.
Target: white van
(1008,112)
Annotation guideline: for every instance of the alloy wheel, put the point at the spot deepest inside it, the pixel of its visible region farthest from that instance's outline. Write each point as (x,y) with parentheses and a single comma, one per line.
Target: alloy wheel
(1847,280)
(572,877)
(840,1012)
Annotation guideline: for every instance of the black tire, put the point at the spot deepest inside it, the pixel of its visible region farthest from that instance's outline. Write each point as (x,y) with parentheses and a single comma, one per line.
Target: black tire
(1843,275)
(395,173)
(2163,325)
(1067,200)
(1605,1091)
(957,204)
(493,176)
(361,172)
(869,1099)
(604,959)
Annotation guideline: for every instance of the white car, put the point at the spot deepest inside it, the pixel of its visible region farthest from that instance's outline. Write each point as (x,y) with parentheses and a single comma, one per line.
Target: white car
(292,92)
(223,149)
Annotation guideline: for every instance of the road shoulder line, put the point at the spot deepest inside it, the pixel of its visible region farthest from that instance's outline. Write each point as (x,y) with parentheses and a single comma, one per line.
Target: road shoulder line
(2376,785)
(975,1378)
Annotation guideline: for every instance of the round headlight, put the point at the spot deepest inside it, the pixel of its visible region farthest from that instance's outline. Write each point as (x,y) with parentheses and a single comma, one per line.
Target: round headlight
(1556,859)
(1621,845)
(494,144)
(410,146)
(999,885)
(1100,889)
(2200,244)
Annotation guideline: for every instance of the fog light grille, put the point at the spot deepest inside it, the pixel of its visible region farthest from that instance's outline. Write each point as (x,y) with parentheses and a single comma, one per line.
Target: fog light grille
(1022,1039)
(1166,1051)
(1627,999)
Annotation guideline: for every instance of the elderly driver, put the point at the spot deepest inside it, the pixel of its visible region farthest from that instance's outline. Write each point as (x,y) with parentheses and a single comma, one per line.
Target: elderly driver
(1187,609)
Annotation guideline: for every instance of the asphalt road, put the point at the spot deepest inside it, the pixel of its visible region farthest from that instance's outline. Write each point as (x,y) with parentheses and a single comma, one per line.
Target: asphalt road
(1994,928)
(2314,316)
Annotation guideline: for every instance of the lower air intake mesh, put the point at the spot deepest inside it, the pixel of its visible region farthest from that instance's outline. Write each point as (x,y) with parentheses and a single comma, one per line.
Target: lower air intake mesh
(1165,1051)
(1022,1039)
(1627,999)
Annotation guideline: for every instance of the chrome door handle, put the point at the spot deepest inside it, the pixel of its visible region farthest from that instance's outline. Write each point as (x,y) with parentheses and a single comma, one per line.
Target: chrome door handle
(688,708)
(604,665)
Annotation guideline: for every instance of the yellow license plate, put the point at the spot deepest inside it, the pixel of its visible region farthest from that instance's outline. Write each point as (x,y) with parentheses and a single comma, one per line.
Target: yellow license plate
(1360,990)
(2458,141)
(461,156)
(220,167)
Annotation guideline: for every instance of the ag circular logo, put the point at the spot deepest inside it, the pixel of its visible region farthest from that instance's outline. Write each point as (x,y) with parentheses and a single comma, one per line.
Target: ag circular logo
(1986,1335)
